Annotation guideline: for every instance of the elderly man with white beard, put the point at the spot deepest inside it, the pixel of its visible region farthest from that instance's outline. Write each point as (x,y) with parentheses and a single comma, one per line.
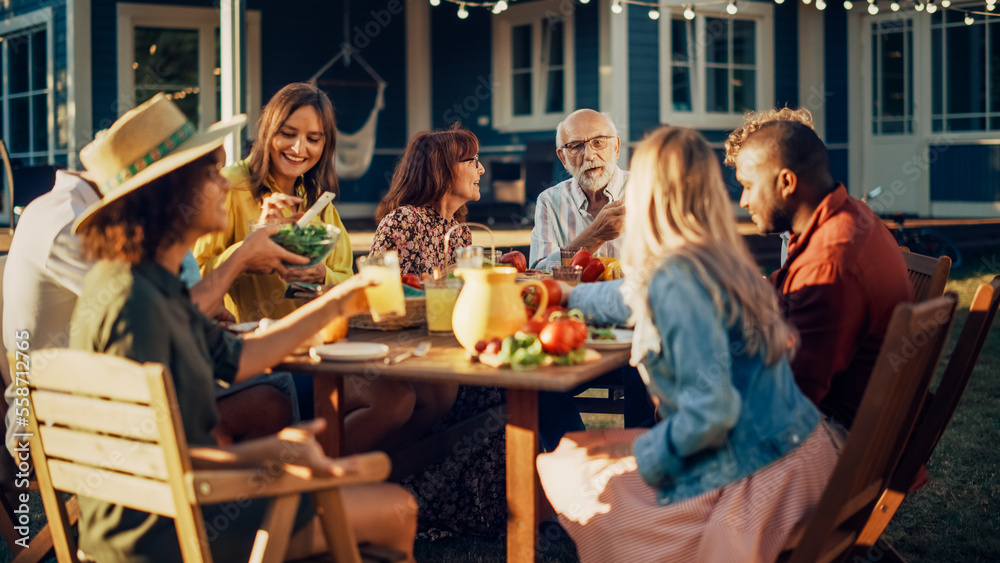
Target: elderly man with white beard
(585,210)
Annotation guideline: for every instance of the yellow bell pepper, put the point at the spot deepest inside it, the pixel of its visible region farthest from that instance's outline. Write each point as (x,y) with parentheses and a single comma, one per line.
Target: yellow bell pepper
(612,268)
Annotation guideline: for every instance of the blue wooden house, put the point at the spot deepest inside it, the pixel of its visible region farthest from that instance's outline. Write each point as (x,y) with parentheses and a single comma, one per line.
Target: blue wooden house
(907,100)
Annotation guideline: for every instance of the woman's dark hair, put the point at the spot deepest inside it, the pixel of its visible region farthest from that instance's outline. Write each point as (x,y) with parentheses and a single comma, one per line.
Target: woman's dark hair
(154,216)
(427,170)
(320,178)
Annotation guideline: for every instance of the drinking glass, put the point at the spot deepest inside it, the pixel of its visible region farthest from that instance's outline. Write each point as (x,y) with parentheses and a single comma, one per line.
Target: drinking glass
(385,300)
(567,274)
(469,257)
(441,295)
(567,253)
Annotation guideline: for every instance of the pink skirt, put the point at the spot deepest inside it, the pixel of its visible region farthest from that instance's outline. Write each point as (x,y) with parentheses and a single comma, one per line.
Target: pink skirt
(612,514)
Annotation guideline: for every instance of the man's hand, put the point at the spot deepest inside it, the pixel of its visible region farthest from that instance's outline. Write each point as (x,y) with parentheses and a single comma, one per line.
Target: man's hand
(609,222)
(608,225)
(262,255)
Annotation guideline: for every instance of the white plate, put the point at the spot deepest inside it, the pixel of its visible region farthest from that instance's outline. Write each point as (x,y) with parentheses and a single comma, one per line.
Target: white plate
(244,327)
(349,351)
(623,339)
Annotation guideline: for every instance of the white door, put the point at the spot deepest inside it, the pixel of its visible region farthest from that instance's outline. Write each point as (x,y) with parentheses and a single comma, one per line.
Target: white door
(894,155)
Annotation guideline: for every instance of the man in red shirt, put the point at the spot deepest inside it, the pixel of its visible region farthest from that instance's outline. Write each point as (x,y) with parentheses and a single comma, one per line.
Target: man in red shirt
(844,274)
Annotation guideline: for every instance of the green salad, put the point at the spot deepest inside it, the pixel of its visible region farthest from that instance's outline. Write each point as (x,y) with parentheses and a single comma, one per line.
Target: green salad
(312,241)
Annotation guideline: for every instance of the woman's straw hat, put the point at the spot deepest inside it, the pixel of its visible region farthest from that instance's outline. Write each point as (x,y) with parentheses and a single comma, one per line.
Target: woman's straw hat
(144,144)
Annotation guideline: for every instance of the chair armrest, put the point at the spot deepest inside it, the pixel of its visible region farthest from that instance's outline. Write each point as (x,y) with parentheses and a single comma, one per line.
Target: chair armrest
(226,485)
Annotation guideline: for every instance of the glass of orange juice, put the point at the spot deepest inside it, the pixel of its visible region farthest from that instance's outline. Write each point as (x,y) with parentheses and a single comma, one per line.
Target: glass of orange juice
(385,300)
(441,295)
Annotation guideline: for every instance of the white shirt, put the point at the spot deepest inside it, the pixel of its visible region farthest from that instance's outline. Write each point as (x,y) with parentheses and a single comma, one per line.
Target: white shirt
(45,270)
(561,215)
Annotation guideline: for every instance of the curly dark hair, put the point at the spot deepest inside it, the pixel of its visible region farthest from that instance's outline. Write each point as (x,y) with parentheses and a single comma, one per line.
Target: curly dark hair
(754,120)
(136,226)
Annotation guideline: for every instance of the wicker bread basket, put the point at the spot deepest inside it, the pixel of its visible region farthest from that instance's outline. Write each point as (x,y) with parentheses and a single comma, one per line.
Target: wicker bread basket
(416,315)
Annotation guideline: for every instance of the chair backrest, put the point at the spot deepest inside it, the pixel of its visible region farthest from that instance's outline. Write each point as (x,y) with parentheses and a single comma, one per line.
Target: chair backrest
(928,275)
(108,428)
(910,352)
(940,405)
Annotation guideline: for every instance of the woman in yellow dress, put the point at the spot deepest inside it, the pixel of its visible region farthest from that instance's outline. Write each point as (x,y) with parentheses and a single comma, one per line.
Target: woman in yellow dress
(290,165)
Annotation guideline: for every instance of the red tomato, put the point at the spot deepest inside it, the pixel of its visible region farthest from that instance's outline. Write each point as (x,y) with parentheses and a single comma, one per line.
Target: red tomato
(534,327)
(562,336)
(554,291)
(557,338)
(412,280)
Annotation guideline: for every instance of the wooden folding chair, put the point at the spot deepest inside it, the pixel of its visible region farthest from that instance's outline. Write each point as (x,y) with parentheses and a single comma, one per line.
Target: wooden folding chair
(928,275)
(910,352)
(102,415)
(937,410)
(11,486)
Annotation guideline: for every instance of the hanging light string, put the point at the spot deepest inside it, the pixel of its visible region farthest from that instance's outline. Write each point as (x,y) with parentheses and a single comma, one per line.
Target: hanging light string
(732,6)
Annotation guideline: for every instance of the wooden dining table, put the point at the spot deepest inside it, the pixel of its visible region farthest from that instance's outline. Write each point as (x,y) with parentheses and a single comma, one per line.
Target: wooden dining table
(447,362)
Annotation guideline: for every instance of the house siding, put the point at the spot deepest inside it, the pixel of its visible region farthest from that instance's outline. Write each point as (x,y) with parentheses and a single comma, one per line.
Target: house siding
(588,56)
(786,54)
(643,72)
(836,67)
(963,172)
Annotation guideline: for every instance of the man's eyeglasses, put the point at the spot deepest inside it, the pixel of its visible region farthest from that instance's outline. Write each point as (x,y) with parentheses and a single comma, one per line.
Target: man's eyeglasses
(474,158)
(598,143)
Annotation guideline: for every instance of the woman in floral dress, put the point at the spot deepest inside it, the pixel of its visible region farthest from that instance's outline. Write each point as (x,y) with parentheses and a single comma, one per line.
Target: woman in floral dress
(438,174)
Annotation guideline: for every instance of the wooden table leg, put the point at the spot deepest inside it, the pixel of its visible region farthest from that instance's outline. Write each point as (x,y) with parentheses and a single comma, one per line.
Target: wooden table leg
(328,392)
(523,487)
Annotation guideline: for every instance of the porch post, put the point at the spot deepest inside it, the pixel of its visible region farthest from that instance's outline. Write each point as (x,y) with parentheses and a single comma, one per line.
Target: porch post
(418,67)
(232,14)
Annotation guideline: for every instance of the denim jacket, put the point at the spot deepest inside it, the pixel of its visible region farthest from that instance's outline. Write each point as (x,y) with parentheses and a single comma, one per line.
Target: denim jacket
(724,413)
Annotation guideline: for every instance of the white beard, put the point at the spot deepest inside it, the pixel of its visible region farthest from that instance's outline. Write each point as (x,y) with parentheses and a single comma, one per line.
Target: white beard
(593,182)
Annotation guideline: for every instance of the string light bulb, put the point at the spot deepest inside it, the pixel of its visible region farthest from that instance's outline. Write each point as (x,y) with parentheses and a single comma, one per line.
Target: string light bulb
(689,12)
(969,20)
(502,5)
(872,8)
(731,8)
(585,1)
(806,2)
(945,3)
(779,1)
(848,4)
(931,7)
(435,2)
(462,12)
(820,5)
(991,7)
(894,6)
(654,14)
(616,7)
(919,7)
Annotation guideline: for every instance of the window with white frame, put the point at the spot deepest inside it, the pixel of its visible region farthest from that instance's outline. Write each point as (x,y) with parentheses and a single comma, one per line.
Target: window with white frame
(27,96)
(715,66)
(532,66)
(965,73)
(176,50)
(892,70)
